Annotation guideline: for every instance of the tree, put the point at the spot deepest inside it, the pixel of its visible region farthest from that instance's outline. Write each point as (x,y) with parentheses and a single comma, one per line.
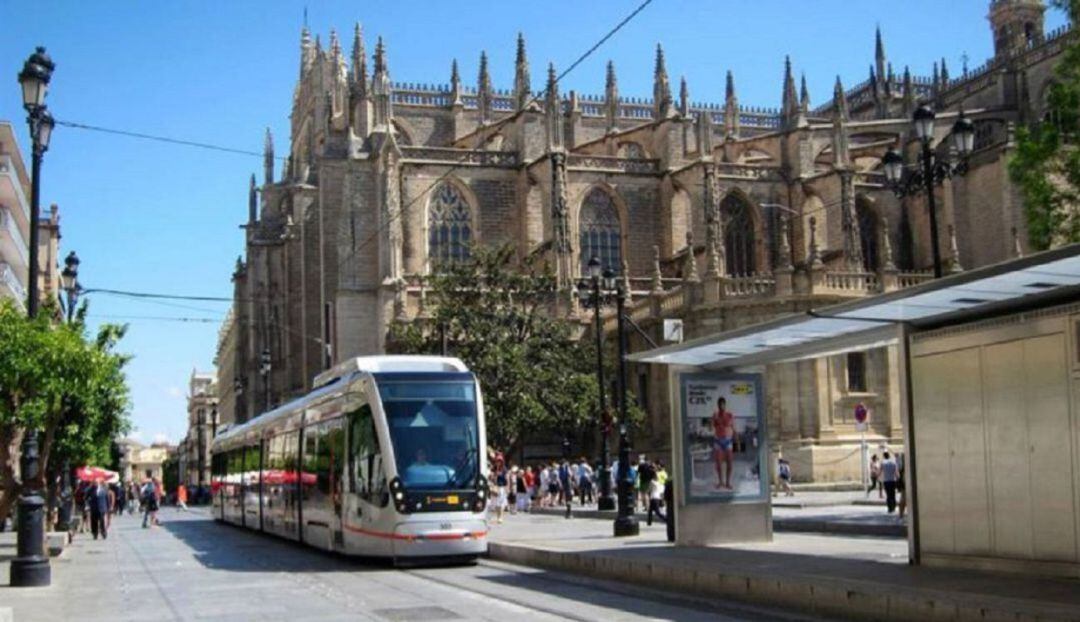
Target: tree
(497,315)
(57,382)
(1046,164)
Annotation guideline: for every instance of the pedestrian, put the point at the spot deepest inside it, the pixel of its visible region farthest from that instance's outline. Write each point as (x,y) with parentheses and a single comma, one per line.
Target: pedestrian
(500,481)
(656,494)
(900,488)
(554,485)
(112,505)
(585,477)
(521,489)
(566,488)
(512,489)
(149,500)
(646,474)
(783,468)
(98,501)
(875,476)
(181,497)
(83,504)
(121,498)
(132,498)
(890,475)
(530,488)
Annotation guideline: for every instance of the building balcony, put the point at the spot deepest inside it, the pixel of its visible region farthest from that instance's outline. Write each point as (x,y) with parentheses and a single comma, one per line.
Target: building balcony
(13,248)
(11,287)
(11,188)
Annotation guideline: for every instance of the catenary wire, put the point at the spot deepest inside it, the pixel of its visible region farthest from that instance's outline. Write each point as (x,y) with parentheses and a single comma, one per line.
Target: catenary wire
(162,139)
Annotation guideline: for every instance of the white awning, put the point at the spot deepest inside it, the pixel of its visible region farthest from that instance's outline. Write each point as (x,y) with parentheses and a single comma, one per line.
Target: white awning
(1045,278)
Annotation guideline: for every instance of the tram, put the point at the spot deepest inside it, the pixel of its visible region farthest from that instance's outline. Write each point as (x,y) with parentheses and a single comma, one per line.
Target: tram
(384,458)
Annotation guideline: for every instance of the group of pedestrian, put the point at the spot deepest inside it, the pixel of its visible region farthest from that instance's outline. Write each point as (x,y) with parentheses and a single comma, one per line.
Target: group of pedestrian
(99,502)
(560,483)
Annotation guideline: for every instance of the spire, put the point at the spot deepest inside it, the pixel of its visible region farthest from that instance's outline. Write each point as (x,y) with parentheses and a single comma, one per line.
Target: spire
(804,96)
(381,88)
(657,284)
(690,273)
(790,108)
(909,94)
(879,53)
(553,110)
(611,98)
(253,202)
(944,74)
(890,78)
(954,252)
(841,156)
(522,88)
(335,45)
(268,157)
(455,84)
(731,108)
(684,97)
(307,52)
(937,79)
(484,92)
(359,62)
(661,87)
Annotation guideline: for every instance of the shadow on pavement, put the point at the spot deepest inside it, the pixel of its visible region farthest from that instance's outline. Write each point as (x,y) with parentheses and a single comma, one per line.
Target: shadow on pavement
(226,547)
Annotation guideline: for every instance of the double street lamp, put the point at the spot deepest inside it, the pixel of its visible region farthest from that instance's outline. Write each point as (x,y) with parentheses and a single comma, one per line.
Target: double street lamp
(69,282)
(931,171)
(592,287)
(625,523)
(30,568)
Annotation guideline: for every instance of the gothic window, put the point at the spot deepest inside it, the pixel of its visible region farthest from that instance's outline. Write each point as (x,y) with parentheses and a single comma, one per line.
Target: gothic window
(739,238)
(449,227)
(868,236)
(631,150)
(601,234)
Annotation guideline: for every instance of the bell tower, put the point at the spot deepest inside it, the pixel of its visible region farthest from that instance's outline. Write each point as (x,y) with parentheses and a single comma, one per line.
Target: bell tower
(1016,25)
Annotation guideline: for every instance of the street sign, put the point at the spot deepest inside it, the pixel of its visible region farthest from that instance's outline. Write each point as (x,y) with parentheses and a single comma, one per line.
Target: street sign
(862,417)
(673,330)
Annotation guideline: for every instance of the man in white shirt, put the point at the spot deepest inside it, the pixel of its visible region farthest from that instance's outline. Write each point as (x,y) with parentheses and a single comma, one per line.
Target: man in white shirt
(890,475)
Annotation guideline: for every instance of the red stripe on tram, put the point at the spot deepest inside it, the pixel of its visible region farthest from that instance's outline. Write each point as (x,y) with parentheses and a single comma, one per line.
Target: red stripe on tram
(412,537)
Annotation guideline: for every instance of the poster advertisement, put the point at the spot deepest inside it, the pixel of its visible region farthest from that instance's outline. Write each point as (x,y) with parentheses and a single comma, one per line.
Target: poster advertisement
(723,426)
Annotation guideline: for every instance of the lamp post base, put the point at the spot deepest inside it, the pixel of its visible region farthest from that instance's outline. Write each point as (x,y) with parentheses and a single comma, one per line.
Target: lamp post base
(605,504)
(31,567)
(626,526)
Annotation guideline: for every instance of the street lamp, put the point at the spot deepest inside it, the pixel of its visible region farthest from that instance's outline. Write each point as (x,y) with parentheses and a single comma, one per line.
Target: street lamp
(264,370)
(931,172)
(30,568)
(69,282)
(625,523)
(604,500)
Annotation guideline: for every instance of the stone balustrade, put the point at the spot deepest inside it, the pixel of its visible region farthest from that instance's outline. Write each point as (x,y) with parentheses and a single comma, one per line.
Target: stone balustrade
(615,164)
(473,157)
(911,279)
(748,285)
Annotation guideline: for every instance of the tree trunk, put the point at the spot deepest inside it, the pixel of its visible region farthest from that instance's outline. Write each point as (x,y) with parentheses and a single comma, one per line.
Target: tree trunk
(10,436)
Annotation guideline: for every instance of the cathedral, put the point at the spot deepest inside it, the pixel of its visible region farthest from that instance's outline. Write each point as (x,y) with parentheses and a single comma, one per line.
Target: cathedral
(719,214)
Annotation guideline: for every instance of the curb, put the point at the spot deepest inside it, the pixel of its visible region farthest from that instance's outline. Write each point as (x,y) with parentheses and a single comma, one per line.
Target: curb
(859,600)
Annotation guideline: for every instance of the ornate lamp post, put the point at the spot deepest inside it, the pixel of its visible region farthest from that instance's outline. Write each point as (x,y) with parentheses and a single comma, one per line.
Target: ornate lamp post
(264,370)
(30,568)
(931,171)
(69,282)
(591,285)
(625,523)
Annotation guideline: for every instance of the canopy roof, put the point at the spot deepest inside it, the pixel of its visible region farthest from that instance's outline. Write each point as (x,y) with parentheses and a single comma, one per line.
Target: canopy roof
(1042,279)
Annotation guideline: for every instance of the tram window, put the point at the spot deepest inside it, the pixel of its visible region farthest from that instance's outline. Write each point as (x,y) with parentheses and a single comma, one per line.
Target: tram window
(366,468)
(251,464)
(333,447)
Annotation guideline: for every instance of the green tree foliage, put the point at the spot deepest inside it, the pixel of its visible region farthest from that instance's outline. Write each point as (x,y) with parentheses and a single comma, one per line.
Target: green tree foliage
(1046,164)
(69,388)
(497,314)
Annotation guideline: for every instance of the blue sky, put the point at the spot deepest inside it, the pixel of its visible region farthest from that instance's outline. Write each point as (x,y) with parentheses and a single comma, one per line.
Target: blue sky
(148,216)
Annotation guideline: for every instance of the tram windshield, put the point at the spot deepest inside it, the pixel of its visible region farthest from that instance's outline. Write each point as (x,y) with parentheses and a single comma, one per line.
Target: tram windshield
(433,427)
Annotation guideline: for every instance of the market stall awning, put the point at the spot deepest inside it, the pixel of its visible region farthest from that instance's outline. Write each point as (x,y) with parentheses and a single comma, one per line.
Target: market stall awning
(1040,279)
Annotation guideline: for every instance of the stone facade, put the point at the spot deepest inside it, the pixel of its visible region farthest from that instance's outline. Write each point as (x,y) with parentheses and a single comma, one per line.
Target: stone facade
(721,214)
(193,453)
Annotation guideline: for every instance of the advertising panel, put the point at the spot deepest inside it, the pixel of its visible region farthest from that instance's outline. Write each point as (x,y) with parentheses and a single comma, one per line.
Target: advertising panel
(723,424)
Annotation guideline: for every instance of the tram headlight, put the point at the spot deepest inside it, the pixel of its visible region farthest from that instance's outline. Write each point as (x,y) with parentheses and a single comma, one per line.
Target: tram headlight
(398,496)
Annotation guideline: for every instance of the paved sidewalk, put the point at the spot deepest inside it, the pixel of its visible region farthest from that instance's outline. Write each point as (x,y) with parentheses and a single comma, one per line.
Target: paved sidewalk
(860,577)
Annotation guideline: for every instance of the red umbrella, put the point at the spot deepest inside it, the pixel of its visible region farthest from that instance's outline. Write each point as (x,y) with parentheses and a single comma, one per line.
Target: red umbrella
(91,474)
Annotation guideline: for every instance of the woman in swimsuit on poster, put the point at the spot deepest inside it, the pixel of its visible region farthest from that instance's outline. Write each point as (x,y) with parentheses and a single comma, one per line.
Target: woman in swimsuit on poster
(724,443)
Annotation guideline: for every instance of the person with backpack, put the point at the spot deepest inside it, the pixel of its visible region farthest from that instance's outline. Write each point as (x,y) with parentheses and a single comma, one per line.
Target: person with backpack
(646,474)
(149,499)
(784,470)
(656,494)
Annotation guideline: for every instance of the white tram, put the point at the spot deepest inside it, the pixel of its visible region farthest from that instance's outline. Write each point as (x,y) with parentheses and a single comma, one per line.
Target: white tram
(385,457)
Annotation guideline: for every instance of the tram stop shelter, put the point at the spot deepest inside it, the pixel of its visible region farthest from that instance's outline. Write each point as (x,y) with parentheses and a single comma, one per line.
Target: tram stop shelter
(990,400)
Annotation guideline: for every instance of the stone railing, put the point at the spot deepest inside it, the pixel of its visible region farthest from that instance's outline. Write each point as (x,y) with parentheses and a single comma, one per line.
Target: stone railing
(911,279)
(615,164)
(748,286)
(847,283)
(8,278)
(471,157)
(745,171)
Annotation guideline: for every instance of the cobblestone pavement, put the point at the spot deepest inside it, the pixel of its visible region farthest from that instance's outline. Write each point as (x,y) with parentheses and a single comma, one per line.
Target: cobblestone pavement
(192,568)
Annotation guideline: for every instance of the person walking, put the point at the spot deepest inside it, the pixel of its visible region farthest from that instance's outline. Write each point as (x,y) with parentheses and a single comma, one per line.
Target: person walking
(656,494)
(890,475)
(585,484)
(149,499)
(646,474)
(783,468)
(181,497)
(121,499)
(875,476)
(98,500)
